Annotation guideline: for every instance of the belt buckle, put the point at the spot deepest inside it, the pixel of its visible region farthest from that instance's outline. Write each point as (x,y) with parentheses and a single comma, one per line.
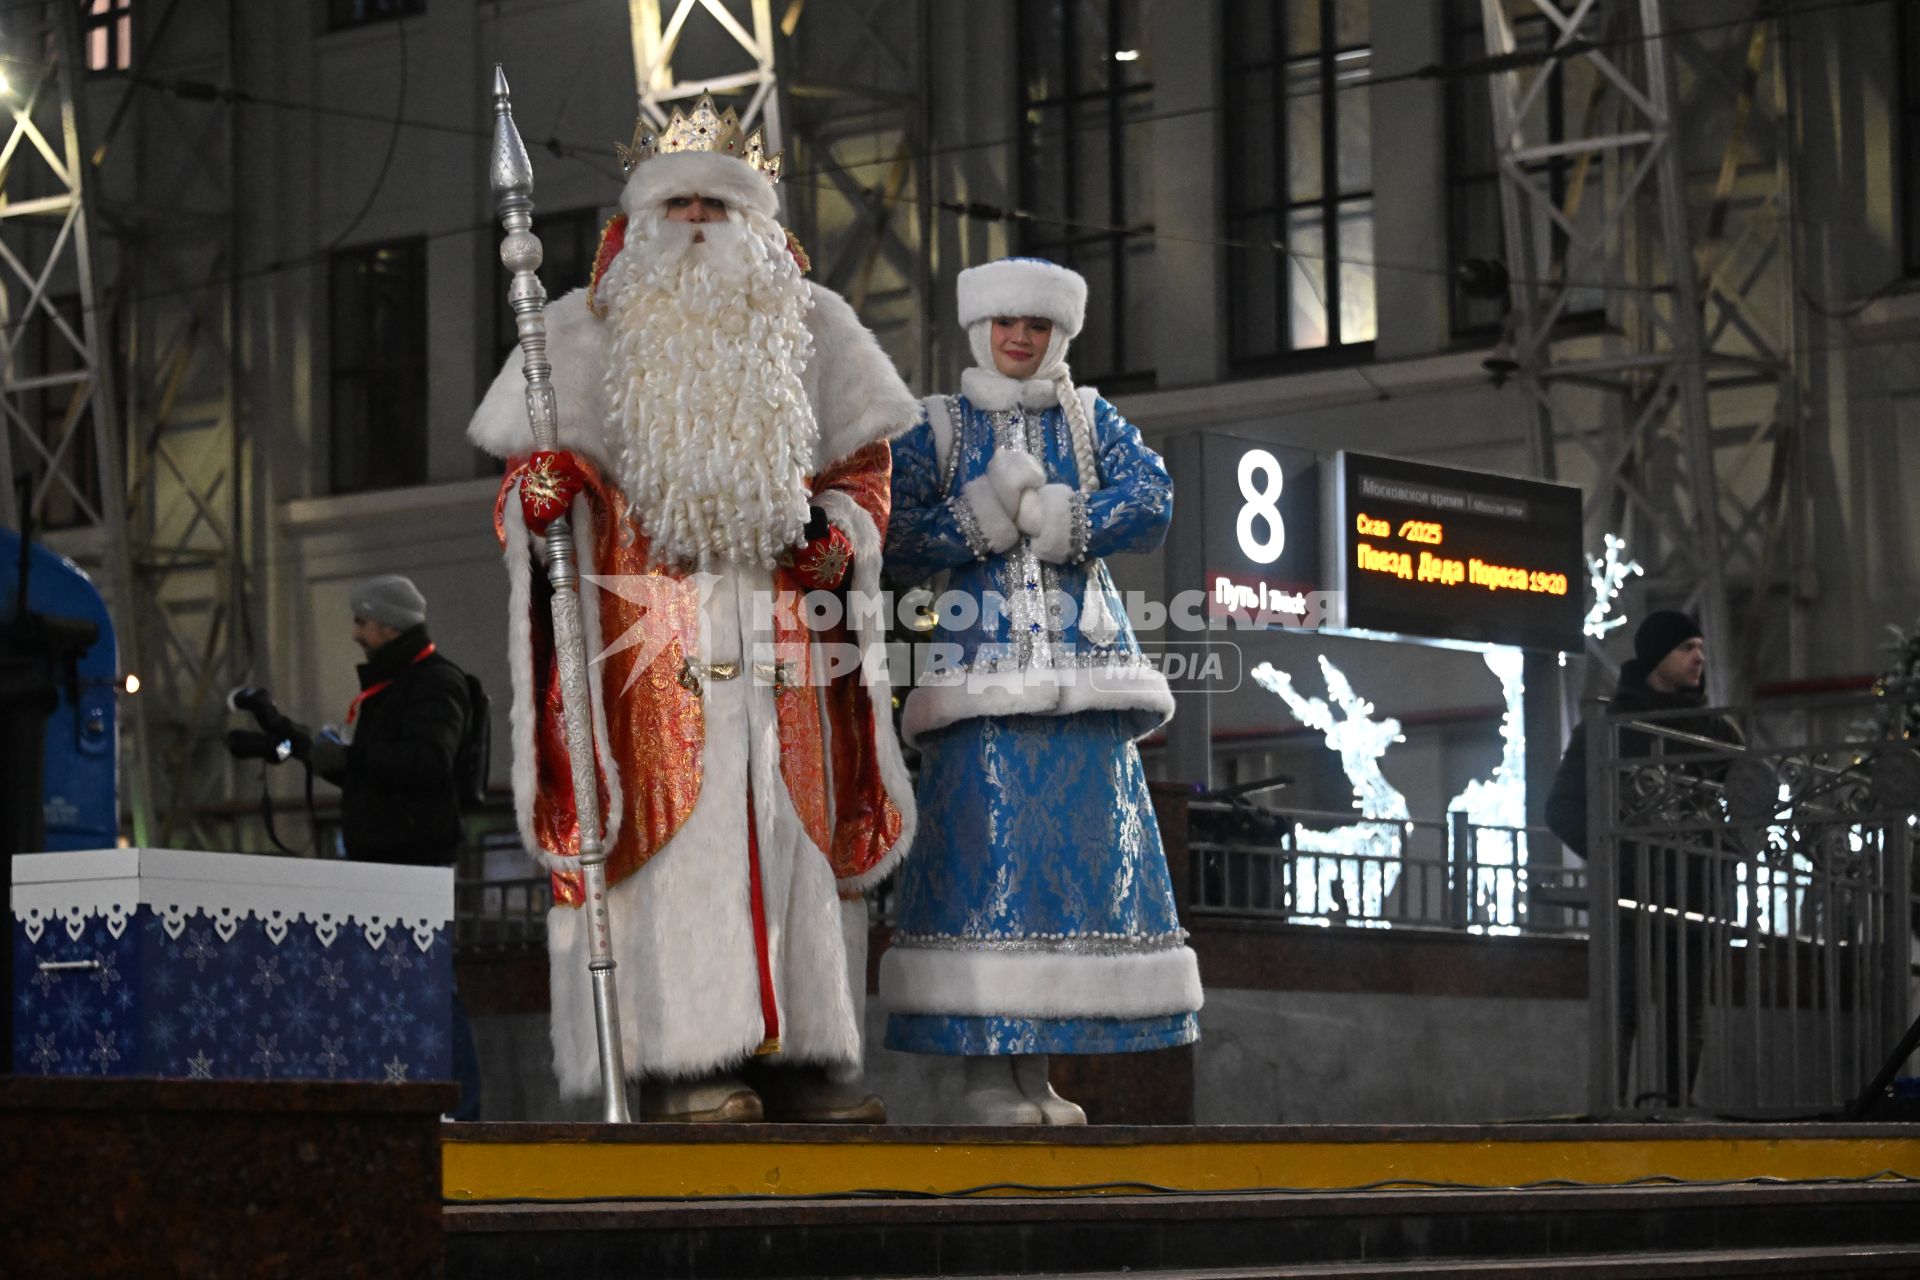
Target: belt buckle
(778,673)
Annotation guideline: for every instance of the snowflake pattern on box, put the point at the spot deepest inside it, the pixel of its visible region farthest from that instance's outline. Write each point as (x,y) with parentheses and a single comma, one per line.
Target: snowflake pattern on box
(227,1001)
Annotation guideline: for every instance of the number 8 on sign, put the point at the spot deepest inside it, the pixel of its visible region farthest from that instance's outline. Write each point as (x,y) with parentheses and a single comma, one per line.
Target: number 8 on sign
(1261,504)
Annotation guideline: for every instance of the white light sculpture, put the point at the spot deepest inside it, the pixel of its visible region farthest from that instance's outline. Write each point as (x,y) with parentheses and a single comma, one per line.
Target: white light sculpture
(1356,882)
(1500,857)
(1610,573)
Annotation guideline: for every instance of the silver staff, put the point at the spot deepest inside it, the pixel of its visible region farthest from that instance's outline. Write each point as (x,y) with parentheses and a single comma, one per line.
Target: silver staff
(512,179)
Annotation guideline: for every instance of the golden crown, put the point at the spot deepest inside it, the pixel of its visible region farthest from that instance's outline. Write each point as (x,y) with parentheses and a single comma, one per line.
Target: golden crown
(707,129)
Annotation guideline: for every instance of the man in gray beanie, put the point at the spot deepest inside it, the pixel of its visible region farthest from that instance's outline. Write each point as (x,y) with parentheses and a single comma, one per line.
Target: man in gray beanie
(395,761)
(1666,674)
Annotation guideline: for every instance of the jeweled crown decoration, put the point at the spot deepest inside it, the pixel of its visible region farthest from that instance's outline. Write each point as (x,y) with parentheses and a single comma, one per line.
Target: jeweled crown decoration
(707,129)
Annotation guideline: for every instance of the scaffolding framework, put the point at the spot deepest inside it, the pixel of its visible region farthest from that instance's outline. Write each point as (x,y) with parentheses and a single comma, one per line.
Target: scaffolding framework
(142,245)
(854,118)
(1669,209)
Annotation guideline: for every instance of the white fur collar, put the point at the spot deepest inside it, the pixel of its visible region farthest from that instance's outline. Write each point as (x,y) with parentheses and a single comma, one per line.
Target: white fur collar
(992,390)
(856,393)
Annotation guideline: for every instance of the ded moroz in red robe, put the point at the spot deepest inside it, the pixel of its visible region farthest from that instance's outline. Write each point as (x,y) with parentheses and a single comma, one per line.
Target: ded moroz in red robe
(708,974)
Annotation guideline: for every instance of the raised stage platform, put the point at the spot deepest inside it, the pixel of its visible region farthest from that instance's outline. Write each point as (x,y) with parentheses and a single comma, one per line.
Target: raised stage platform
(1521,1200)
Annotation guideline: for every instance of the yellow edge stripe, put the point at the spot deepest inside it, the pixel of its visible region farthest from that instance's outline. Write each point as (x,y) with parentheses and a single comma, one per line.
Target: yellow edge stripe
(482,1171)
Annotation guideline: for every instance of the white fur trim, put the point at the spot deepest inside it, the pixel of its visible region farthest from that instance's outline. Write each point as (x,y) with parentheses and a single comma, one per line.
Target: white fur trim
(1060,692)
(854,929)
(870,633)
(1023,287)
(940,422)
(683,925)
(1046,516)
(995,521)
(697,173)
(576,343)
(1017,984)
(1013,474)
(522,718)
(856,393)
(995,392)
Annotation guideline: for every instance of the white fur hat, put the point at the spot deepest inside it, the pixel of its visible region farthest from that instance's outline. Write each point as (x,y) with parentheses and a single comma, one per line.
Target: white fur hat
(697,173)
(1023,287)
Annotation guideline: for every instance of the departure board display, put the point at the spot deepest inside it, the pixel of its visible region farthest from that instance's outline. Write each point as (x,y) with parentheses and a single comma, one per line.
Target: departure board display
(1424,551)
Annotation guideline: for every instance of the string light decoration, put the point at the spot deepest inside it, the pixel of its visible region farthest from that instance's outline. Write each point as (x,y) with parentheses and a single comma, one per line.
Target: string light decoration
(1366,863)
(1610,573)
(1500,857)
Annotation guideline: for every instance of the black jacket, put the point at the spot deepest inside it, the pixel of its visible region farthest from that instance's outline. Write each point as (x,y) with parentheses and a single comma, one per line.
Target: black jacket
(399,801)
(1566,810)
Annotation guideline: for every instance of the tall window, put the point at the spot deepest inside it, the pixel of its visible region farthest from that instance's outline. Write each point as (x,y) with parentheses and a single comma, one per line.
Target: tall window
(1299,178)
(106,34)
(1086,86)
(1909,35)
(1475,231)
(568,242)
(378,322)
(357,13)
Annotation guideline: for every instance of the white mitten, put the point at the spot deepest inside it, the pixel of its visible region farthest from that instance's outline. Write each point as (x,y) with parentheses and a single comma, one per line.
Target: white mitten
(1046,517)
(996,521)
(1014,474)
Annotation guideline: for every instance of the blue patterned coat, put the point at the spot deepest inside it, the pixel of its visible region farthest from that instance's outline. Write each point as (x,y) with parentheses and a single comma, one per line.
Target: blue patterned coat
(1036,638)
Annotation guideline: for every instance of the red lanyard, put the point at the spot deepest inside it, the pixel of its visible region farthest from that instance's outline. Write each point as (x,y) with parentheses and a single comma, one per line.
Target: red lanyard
(353,710)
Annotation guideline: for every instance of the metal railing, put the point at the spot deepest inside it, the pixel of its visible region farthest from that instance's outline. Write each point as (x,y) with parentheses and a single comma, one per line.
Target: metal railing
(1750,905)
(1312,866)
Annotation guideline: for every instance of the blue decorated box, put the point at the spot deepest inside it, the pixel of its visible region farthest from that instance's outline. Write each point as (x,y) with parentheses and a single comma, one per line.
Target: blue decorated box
(167,962)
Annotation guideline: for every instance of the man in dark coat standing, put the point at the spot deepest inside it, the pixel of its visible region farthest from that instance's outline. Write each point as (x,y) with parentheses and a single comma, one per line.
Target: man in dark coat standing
(1666,674)
(400,800)
(399,793)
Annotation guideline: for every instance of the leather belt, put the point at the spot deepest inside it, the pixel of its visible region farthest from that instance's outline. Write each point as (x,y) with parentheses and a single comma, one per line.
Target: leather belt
(694,674)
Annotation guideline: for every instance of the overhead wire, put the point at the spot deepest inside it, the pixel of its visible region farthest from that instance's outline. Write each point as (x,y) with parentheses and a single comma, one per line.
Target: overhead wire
(560,148)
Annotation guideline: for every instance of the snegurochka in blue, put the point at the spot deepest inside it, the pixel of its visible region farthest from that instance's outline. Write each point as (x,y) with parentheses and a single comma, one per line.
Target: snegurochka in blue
(1035,912)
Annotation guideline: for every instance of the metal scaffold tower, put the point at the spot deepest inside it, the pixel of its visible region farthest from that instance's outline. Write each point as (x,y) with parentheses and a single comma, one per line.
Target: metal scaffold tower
(856,127)
(1663,203)
(119,393)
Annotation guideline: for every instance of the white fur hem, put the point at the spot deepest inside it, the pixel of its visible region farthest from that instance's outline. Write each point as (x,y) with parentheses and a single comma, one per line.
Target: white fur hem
(1016,984)
(1023,287)
(995,521)
(697,173)
(869,632)
(682,926)
(1061,692)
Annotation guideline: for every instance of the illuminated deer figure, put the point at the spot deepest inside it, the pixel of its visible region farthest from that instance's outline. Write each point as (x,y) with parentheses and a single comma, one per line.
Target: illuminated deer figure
(1357,882)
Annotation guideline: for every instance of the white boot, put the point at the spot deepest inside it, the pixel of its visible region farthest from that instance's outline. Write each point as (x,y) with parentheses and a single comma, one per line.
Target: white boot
(1030,1074)
(992,1097)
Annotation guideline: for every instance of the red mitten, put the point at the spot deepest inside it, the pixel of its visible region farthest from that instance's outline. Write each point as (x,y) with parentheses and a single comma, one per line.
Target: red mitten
(823,562)
(547,490)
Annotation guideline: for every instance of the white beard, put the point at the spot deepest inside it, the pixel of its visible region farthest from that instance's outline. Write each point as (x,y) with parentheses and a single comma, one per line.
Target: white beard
(715,433)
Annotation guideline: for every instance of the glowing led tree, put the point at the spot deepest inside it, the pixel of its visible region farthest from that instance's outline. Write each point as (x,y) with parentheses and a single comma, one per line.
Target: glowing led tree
(1357,880)
(1610,573)
(1500,857)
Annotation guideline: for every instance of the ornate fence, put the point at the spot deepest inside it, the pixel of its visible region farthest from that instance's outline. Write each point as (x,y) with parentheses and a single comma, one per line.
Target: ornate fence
(1749,904)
